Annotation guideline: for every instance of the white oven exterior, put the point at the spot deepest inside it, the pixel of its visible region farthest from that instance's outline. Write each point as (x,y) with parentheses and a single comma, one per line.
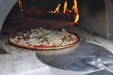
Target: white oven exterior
(5,8)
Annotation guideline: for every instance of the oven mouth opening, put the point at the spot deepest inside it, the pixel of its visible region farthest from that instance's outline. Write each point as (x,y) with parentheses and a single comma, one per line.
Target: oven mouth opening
(94,16)
(23,17)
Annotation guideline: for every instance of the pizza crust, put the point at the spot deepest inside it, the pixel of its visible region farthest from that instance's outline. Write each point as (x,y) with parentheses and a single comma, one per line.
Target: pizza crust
(40,48)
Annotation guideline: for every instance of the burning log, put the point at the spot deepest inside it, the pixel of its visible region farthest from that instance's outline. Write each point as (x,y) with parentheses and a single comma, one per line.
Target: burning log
(57,14)
(52,16)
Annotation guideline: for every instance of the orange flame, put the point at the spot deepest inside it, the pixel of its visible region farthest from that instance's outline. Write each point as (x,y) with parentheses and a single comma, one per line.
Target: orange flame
(65,7)
(20,4)
(56,10)
(75,9)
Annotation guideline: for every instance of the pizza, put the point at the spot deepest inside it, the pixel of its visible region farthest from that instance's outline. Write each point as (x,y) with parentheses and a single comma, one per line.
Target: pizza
(41,38)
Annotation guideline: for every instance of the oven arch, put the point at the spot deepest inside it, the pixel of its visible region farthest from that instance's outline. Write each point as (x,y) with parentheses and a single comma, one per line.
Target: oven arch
(6,6)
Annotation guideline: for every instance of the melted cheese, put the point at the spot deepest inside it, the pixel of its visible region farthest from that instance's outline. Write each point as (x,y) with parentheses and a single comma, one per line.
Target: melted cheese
(46,37)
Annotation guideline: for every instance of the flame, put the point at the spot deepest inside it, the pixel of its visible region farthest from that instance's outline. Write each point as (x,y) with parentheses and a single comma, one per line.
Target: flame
(76,19)
(56,10)
(20,5)
(75,9)
(65,7)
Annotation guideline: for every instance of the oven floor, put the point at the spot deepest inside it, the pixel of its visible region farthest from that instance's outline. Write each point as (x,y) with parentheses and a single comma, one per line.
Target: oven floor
(24,62)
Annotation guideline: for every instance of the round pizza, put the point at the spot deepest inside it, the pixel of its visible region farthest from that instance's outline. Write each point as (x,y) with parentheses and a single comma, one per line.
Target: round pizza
(41,38)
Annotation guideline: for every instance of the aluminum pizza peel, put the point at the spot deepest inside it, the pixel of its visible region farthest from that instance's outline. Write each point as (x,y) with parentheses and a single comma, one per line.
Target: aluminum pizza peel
(81,57)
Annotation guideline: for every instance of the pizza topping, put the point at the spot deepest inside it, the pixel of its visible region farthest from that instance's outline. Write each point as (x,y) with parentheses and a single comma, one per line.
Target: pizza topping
(45,38)
(14,35)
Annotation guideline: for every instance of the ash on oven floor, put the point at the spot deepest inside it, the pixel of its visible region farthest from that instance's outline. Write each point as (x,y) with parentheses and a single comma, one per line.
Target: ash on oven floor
(3,51)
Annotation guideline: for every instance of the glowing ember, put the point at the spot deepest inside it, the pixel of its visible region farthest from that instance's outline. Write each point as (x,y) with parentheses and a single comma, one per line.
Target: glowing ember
(20,4)
(56,10)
